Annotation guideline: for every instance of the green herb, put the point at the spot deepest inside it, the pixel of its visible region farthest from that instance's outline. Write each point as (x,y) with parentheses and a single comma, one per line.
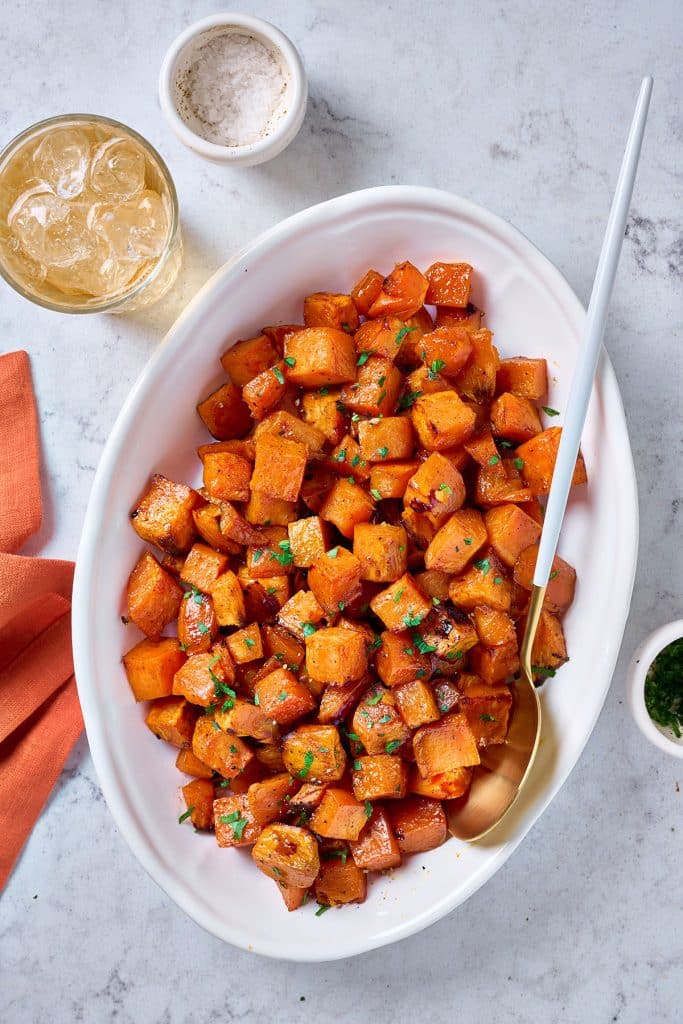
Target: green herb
(421,673)
(384,719)
(505,444)
(519,463)
(494,460)
(383,452)
(553,575)
(284,556)
(468,540)
(545,673)
(375,493)
(483,564)
(406,401)
(203,628)
(340,456)
(322,908)
(382,396)
(290,360)
(412,620)
(236,822)
(444,708)
(233,748)
(282,695)
(487,718)
(454,655)
(435,369)
(214,723)
(408,650)
(664,688)
(341,605)
(422,646)
(276,871)
(308,629)
(355,417)
(279,656)
(256,555)
(277,373)
(248,642)
(214,661)
(333,552)
(435,601)
(392,746)
(377,642)
(497,580)
(330,854)
(368,809)
(446,488)
(549,412)
(308,761)
(225,783)
(399,594)
(374,700)
(266,522)
(351,479)
(355,460)
(271,590)
(194,593)
(362,359)
(257,700)
(402,333)
(357,766)
(182,647)
(185,816)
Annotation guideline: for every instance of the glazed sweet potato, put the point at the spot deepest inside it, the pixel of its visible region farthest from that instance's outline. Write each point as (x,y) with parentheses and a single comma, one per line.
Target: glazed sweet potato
(477,380)
(197,624)
(514,418)
(264,510)
(442,420)
(527,378)
(309,539)
(538,461)
(561,582)
(376,389)
(285,424)
(279,467)
(314,753)
(445,745)
(445,351)
(268,800)
(495,664)
(510,530)
(416,703)
(198,797)
(246,359)
(150,667)
(390,438)
(335,578)
(338,700)
(191,765)
(194,680)
(390,481)
(207,521)
(225,753)
(202,567)
(346,506)
(449,284)
(378,724)
(172,719)
(467,316)
(382,337)
(437,488)
(245,645)
(493,627)
(227,476)
(402,604)
(228,600)
(283,697)
(487,709)
(339,815)
(153,597)
(234,822)
(399,661)
(550,649)
(366,291)
(376,849)
(321,412)
(340,882)
(483,583)
(403,292)
(164,515)
(457,542)
(320,357)
(224,413)
(382,551)
(444,786)
(379,777)
(301,613)
(418,823)
(325,309)
(336,655)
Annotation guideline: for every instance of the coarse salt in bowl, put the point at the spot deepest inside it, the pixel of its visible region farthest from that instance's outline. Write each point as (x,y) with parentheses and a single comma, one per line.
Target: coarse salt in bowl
(233,89)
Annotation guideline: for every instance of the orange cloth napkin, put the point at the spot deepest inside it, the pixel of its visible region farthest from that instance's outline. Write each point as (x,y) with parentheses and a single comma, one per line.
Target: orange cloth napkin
(40,717)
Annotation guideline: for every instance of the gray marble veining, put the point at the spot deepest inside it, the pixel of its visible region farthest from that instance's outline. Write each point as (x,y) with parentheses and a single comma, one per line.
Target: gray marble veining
(522,108)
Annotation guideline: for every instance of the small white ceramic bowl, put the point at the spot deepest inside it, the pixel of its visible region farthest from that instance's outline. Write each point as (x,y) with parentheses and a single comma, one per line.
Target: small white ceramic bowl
(658,735)
(289,122)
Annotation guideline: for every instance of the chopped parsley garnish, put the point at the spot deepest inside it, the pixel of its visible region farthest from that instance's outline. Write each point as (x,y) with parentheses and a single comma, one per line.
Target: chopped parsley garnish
(357,766)
(330,854)
(406,401)
(257,699)
(182,647)
(374,700)
(375,493)
(248,642)
(545,673)
(402,333)
(277,373)
(308,761)
(256,555)
(412,620)
(308,629)
(368,809)
(399,594)
(290,360)
(436,601)
(487,718)
(185,816)
(421,673)
(384,719)
(195,594)
(323,391)
(233,748)
(284,556)
(341,605)
(236,822)
(498,580)
(435,369)
(446,488)
(392,746)
(383,452)
(548,411)
(377,642)
(494,460)
(483,565)
(468,540)
(333,552)
(355,460)
(408,650)
(282,695)
(340,456)
(225,783)
(382,396)
(355,417)
(519,463)
(322,908)
(271,590)
(351,479)
(553,575)
(362,359)
(203,628)
(422,646)
(505,444)
(664,688)
(455,655)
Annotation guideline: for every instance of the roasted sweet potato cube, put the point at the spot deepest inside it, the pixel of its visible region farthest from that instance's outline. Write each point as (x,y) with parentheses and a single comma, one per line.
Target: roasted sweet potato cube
(402,604)
(225,414)
(444,786)
(366,291)
(483,583)
(403,292)
(153,596)
(340,882)
(279,333)
(336,655)
(227,476)
(265,391)
(390,481)
(172,563)
(197,625)
(376,849)
(241,717)
(446,351)
(478,379)
(279,643)
(309,539)
(337,701)
(150,667)
(378,724)
(263,597)
(457,542)
(419,527)
(269,756)
(527,378)
(493,627)
(307,798)
(264,510)
(467,316)
(376,390)
(243,447)
(500,483)
(446,634)
(437,488)
(382,337)
(487,709)
(245,645)
(246,359)
(271,558)
(283,697)
(346,505)
(207,522)
(234,527)
(293,896)
(389,438)
(191,765)
(335,578)
(449,284)
(288,854)
(198,797)
(172,719)
(339,815)
(228,600)
(234,823)
(279,467)
(323,356)
(268,800)
(539,455)
(561,582)
(434,583)
(314,753)
(445,745)
(416,703)
(283,423)
(202,567)
(442,420)
(425,381)
(418,823)
(379,777)
(550,649)
(346,460)
(324,309)
(482,448)
(319,408)
(399,661)
(446,694)
(226,753)
(495,664)
(195,679)
(510,531)
(382,550)
(301,613)
(316,486)
(514,418)
(164,515)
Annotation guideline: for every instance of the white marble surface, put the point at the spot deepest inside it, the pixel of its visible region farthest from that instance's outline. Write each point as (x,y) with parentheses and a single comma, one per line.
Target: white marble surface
(522,108)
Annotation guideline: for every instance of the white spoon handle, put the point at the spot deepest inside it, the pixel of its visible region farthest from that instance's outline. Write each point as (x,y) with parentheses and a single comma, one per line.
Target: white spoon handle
(579,395)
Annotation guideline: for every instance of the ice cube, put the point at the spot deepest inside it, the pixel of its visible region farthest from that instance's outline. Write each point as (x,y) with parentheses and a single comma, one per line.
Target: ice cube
(50,230)
(117,170)
(100,275)
(61,160)
(135,229)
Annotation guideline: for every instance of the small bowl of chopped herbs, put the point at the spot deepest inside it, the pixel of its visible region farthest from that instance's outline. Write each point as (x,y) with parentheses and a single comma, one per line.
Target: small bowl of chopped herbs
(655,688)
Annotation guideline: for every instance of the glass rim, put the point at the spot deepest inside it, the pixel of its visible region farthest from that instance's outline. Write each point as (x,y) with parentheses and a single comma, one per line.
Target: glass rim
(106,304)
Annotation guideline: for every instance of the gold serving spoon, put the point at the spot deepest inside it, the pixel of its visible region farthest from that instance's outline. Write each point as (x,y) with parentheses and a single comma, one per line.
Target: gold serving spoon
(497,781)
